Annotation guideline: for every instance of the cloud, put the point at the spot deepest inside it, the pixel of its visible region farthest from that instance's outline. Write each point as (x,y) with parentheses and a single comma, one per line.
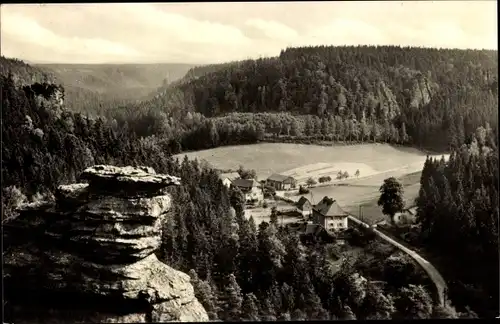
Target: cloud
(217,32)
(273,30)
(176,27)
(345,32)
(25,30)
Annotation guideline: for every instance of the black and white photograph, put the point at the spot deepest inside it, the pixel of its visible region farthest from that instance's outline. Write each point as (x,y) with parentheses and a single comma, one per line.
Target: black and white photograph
(249,161)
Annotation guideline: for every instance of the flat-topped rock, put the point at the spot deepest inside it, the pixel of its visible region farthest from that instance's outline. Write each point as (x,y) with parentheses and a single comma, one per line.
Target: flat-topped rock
(89,256)
(127,180)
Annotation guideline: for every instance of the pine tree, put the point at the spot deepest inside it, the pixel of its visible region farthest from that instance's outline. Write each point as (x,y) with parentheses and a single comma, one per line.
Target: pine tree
(230,300)
(250,311)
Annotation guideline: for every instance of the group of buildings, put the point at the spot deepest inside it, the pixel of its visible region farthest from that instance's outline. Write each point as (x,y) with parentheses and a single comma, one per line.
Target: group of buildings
(254,190)
(327,214)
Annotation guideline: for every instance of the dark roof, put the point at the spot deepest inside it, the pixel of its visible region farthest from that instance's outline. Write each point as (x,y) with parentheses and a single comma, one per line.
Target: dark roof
(302,201)
(329,207)
(245,183)
(278,177)
(312,228)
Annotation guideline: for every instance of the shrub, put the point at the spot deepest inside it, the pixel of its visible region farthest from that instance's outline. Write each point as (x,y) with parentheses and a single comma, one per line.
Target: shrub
(303,190)
(311,182)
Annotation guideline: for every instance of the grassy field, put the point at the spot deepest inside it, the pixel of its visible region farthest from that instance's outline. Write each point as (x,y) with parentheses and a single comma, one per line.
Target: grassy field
(371,213)
(364,193)
(268,158)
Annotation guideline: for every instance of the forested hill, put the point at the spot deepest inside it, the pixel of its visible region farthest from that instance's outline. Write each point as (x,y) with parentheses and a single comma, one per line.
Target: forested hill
(380,82)
(437,94)
(97,88)
(25,74)
(120,80)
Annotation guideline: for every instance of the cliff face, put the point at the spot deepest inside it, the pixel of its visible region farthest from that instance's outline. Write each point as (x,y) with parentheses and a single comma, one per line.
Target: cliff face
(90,255)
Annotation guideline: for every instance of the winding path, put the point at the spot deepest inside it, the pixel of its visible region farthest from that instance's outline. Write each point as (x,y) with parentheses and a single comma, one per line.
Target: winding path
(426,265)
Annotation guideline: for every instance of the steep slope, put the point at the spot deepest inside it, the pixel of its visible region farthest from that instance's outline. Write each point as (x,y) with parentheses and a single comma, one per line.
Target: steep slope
(25,74)
(98,87)
(376,81)
(95,89)
(119,80)
(384,90)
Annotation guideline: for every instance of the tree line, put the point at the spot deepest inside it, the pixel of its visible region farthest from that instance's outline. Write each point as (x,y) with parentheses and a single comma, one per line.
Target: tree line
(458,215)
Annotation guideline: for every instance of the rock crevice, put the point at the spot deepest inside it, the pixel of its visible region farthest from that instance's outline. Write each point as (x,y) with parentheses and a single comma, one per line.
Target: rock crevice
(96,242)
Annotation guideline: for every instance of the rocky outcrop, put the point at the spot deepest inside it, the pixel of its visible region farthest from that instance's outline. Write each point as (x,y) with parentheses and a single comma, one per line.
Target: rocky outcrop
(422,92)
(89,256)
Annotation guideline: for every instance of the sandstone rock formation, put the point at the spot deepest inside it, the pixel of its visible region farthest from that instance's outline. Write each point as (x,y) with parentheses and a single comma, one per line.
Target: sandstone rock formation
(89,257)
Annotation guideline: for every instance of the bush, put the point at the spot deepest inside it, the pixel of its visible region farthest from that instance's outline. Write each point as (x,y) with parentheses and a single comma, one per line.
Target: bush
(311,182)
(325,179)
(12,197)
(264,204)
(303,190)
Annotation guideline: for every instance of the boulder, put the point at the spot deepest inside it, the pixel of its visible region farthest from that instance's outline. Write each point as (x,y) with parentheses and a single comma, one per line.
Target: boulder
(90,256)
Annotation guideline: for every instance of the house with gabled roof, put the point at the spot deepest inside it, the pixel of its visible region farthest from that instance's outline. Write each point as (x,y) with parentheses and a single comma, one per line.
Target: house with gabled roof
(228,178)
(250,188)
(328,214)
(281,182)
(304,206)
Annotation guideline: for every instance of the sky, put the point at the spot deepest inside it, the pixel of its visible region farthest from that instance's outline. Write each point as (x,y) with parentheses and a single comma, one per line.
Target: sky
(203,33)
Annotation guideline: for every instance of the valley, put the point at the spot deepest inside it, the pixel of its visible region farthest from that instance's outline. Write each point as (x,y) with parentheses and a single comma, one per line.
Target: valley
(375,163)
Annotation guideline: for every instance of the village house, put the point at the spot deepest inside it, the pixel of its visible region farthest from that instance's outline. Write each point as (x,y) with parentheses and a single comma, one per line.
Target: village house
(304,206)
(407,216)
(250,188)
(228,178)
(328,214)
(281,182)
(308,232)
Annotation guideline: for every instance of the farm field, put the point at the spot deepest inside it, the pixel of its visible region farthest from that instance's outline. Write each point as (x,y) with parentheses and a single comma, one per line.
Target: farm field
(309,160)
(364,193)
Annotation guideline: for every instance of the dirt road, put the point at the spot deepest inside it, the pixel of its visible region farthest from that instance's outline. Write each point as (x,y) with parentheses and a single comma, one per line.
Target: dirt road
(433,273)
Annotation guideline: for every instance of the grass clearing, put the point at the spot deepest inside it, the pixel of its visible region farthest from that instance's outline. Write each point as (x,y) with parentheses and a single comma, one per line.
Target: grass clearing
(268,158)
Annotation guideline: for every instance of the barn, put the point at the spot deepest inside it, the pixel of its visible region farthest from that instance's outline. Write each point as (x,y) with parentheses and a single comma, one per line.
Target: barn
(281,182)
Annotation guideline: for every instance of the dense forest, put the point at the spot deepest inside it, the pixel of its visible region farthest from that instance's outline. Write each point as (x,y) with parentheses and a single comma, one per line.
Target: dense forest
(458,213)
(439,99)
(432,98)
(429,98)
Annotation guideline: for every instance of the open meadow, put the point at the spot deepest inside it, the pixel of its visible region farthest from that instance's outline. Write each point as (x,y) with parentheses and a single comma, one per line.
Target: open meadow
(309,160)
